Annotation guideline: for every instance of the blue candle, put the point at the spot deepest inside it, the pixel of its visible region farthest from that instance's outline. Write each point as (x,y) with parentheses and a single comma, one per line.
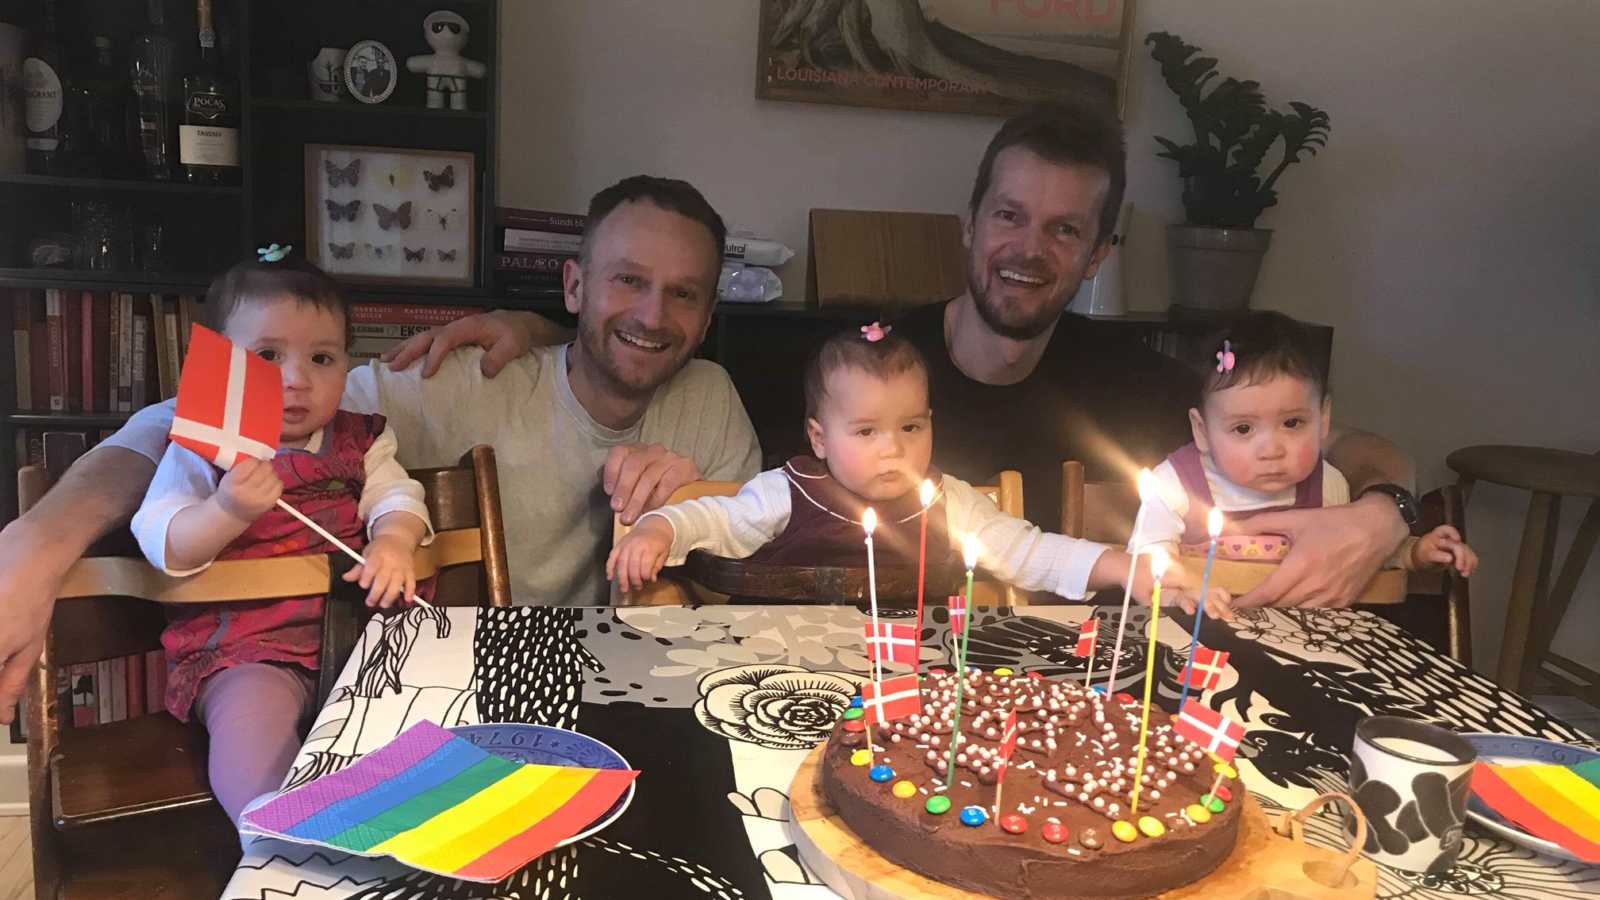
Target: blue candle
(1214,526)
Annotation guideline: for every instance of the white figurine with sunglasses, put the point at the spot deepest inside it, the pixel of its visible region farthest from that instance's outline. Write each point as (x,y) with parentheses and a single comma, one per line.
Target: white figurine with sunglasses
(447,70)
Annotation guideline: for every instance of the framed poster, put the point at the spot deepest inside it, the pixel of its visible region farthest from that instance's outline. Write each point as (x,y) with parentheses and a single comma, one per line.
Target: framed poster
(387,215)
(990,57)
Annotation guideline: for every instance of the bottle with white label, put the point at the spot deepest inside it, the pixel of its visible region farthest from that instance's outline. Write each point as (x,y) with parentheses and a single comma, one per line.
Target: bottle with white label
(208,139)
(44,99)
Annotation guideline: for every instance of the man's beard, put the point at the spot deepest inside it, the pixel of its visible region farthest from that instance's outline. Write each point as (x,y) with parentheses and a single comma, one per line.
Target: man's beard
(1017,325)
(592,336)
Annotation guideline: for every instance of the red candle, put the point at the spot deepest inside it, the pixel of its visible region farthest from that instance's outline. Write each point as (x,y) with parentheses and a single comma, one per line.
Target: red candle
(926,492)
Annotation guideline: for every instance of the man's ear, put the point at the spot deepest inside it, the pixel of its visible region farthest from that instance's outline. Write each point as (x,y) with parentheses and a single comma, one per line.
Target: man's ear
(966,229)
(814,434)
(572,285)
(1096,258)
(1197,427)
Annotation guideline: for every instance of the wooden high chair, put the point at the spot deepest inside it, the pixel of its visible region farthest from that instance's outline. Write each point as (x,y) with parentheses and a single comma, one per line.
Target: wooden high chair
(675,587)
(125,809)
(1104,511)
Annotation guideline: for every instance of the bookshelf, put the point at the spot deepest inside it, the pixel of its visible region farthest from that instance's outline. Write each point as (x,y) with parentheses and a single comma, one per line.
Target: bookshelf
(265,45)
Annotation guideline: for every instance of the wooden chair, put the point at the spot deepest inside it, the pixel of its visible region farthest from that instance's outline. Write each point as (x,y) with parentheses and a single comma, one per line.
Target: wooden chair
(125,809)
(1105,512)
(675,586)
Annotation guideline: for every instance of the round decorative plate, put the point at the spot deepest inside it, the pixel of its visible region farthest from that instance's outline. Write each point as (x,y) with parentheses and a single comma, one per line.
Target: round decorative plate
(546,746)
(1504,749)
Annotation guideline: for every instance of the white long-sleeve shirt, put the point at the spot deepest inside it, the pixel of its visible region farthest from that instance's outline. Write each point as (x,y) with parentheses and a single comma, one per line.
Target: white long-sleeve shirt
(183,479)
(1014,550)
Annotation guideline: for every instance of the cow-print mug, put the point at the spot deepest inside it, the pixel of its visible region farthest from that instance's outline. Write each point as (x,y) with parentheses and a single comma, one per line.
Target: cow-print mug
(1412,781)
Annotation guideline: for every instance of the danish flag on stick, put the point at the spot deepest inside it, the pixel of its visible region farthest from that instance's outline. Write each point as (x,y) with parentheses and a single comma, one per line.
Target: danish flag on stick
(891,642)
(1008,744)
(1206,667)
(1214,732)
(958,613)
(892,698)
(230,402)
(1087,633)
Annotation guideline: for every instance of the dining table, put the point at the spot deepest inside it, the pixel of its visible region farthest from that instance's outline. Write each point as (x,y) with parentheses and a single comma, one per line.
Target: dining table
(717,706)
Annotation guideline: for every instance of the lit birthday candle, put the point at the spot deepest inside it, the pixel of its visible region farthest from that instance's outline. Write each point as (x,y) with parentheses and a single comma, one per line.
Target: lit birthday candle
(969,554)
(1147,490)
(1214,528)
(1158,567)
(869,523)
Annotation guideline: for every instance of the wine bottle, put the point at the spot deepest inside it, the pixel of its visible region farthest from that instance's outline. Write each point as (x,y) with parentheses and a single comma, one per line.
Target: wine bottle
(97,107)
(208,139)
(153,81)
(44,98)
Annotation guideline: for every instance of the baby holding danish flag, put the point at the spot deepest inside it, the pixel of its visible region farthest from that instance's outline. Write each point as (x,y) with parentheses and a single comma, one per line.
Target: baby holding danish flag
(246,670)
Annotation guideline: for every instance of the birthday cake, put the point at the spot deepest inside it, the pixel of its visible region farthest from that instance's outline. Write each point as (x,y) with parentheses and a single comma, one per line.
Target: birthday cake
(1065,826)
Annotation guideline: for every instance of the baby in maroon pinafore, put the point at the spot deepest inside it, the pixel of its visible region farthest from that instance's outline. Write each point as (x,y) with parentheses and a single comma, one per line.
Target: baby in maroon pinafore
(246,670)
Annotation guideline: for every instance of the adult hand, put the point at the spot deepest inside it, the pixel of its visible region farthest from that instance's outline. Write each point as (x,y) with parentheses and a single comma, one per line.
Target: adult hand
(503,334)
(640,477)
(30,574)
(1333,552)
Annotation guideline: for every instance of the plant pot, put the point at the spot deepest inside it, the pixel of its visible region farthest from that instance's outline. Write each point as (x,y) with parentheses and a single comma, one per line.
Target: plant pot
(1215,269)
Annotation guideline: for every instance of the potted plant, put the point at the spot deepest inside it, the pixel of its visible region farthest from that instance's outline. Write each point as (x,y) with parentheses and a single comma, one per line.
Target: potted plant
(1216,254)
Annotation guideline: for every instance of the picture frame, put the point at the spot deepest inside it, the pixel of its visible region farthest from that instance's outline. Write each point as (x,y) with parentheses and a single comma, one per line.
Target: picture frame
(391,215)
(991,58)
(371,72)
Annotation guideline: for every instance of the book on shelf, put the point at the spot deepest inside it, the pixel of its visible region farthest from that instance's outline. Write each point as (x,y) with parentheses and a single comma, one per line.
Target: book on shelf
(96,351)
(375,327)
(21,342)
(55,350)
(141,358)
(528,241)
(540,220)
(113,690)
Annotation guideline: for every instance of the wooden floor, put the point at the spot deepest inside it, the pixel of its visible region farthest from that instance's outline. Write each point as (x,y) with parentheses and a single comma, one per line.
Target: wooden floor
(16,859)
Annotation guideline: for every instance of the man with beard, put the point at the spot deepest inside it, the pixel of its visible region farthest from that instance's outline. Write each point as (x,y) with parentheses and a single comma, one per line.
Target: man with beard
(610,423)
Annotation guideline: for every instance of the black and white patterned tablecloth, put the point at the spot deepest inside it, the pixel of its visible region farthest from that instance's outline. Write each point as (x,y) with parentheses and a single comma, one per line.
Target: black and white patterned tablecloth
(718,705)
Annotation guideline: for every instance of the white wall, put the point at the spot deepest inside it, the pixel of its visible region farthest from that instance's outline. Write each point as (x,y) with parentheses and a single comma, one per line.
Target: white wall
(1450,232)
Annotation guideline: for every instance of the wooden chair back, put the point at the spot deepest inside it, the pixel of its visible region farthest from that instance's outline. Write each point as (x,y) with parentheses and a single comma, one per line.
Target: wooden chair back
(676,588)
(1444,590)
(94,620)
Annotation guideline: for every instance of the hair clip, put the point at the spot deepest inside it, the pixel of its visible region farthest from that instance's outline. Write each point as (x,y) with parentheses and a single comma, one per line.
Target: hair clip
(1225,357)
(875,332)
(273,253)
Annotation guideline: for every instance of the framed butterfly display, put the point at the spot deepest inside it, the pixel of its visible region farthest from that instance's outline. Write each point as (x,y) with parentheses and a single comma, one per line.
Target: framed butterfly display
(389,215)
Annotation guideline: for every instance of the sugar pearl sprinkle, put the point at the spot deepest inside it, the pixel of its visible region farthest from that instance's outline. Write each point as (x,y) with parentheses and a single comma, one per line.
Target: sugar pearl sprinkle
(1075,747)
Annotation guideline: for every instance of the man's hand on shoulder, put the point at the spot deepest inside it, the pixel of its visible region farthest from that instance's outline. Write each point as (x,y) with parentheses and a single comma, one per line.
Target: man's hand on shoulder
(640,477)
(1333,552)
(503,334)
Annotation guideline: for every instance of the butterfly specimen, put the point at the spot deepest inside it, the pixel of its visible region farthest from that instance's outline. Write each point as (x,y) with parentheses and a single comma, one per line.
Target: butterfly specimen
(399,178)
(337,175)
(438,181)
(345,211)
(381,251)
(343,251)
(415,255)
(447,255)
(443,217)
(387,217)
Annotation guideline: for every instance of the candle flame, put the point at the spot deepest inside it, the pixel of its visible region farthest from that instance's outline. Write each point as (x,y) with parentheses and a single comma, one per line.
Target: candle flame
(1158,563)
(1214,522)
(869,521)
(926,493)
(1147,485)
(970,549)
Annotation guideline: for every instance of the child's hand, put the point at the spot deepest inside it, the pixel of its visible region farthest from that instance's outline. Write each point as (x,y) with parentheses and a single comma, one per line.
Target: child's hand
(639,556)
(1443,547)
(388,574)
(1219,603)
(249,489)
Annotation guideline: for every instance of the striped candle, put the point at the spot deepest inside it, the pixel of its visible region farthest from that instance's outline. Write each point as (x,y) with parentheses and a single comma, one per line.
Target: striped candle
(437,802)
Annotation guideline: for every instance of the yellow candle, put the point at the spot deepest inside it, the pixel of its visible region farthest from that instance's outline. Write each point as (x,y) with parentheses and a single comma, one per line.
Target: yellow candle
(1158,567)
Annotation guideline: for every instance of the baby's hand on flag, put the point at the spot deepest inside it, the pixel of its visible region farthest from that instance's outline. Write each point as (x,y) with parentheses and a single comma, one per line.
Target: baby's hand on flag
(387,575)
(249,489)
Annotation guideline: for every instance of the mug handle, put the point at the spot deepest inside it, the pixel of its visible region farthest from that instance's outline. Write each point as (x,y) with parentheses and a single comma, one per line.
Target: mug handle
(1294,825)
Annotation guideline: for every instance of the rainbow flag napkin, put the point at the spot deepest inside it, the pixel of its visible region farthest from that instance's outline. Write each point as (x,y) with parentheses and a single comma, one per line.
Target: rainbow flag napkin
(1560,804)
(437,802)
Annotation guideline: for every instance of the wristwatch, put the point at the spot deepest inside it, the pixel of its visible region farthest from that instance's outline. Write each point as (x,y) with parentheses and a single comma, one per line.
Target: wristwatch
(1404,501)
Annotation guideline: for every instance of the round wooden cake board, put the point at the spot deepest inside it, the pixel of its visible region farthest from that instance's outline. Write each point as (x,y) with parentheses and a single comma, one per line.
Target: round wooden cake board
(855,871)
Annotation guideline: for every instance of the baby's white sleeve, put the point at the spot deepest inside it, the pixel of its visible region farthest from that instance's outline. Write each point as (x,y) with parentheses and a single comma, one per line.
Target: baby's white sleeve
(1016,551)
(734,527)
(388,488)
(1163,513)
(182,479)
